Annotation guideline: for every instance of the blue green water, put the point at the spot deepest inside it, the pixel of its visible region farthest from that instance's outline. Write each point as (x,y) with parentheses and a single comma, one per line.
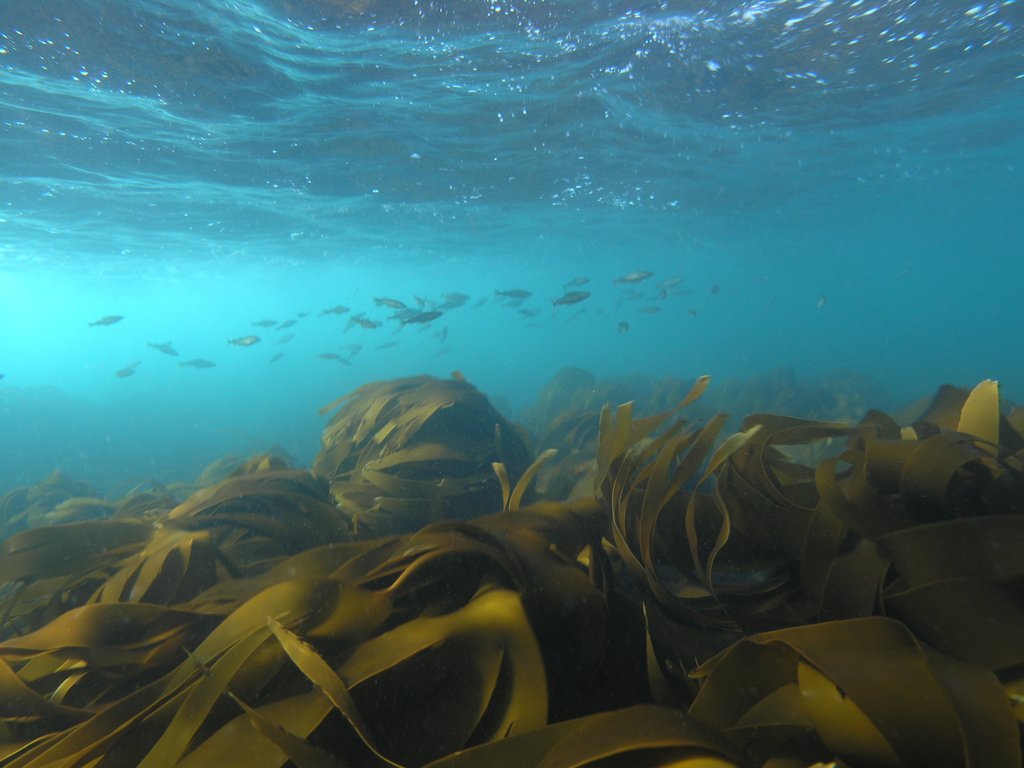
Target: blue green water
(836,184)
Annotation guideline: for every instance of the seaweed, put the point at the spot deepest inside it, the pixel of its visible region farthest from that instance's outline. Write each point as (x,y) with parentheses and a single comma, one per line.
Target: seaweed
(695,598)
(404,453)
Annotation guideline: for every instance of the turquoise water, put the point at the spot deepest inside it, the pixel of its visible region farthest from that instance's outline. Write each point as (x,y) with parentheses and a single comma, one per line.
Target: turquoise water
(836,184)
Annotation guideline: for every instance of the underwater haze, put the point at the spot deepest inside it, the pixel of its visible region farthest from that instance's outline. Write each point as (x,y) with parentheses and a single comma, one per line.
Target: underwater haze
(811,185)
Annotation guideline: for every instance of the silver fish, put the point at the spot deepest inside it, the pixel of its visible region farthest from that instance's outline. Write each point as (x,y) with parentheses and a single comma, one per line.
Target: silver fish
(633,277)
(128,370)
(423,317)
(108,320)
(572,297)
(166,348)
(244,341)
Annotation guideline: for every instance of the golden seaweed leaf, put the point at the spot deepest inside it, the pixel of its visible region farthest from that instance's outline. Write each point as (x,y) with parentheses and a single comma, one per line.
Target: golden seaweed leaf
(299,751)
(979,415)
(644,735)
(173,566)
(870,692)
(27,507)
(320,673)
(48,570)
(65,550)
(466,677)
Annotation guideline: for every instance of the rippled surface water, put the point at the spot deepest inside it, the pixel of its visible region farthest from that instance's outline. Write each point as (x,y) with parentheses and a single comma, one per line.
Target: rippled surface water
(837,184)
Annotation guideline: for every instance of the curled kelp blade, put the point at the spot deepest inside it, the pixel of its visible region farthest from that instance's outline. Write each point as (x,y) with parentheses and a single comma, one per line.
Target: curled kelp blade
(949,579)
(173,567)
(466,677)
(414,692)
(646,736)
(868,691)
(41,553)
(299,751)
(45,571)
(28,506)
(78,509)
(571,472)
(649,489)
(110,635)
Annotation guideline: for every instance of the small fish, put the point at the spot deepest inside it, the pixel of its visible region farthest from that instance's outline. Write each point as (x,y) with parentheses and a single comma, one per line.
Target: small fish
(384,301)
(633,277)
(650,310)
(671,282)
(285,339)
(244,341)
(128,370)
(691,312)
(623,326)
(572,297)
(333,356)
(364,322)
(423,317)
(197,363)
(353,349)
(338,310)
(822,301)
(387,345)
(277,357)
(287,324)
(265,323)
(108,320)
(1,375)
(526,312)
(166,348)
(302,314)
(453,300)
(715,288)
(514,293)
(442,334)
(576,282)
(402,314)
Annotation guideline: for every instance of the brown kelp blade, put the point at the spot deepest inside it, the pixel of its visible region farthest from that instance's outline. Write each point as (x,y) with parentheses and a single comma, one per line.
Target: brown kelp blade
(867,688)
(643,735)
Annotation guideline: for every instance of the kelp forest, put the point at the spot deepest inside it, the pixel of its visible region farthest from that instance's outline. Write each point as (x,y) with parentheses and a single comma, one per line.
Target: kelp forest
(617,588)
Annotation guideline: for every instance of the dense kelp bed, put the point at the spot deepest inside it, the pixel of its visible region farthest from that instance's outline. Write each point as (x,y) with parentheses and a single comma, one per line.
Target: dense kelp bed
(645,591)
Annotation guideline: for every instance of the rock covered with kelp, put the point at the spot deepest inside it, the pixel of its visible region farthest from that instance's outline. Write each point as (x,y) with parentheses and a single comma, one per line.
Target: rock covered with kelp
(402,453)
(712,601)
